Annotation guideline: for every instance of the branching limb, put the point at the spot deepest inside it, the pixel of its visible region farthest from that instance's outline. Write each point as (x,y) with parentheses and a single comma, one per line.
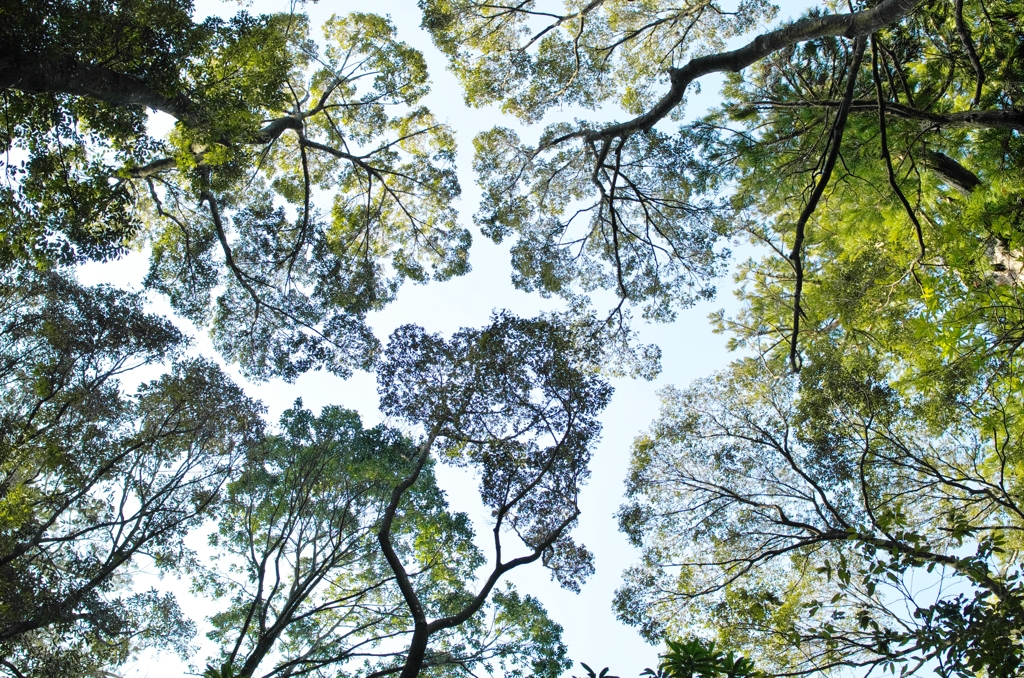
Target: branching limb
(1007,118)
(968,42)
(883,139)
(835,142)
(852,25)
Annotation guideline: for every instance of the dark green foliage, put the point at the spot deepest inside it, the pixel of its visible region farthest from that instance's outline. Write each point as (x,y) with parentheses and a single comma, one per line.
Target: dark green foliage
(694,658)
(516,402)
(301,522)
(513,401)
(349,554)
(92,480)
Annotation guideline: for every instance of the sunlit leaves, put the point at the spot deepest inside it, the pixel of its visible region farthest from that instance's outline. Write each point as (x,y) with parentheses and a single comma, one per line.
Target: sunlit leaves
(531,56)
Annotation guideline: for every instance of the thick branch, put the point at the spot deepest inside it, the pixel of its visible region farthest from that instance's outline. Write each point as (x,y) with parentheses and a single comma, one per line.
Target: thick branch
(968,43)
(819,189)
(384,534)
(276,128)
(952,172)
(29,74)
(886,157)
(852,25)
(32,75)
(153,168)
(1008,118)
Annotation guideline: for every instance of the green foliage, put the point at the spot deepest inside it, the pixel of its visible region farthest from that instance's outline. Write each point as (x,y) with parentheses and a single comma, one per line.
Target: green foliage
(300,527)
(225,199)
(92,479)
(224,671)
(662,256)
(336,549)
(592,674)
(533,56)
(518,402)
(806,508)
(695,658)
(873,436)
(637,208)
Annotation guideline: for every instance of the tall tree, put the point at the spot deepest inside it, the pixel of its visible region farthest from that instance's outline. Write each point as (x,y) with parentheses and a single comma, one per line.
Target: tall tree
(516,402)
(316,594)
(263,119)
(92,480)
(637,208)
(919,219)
(875,155)
(795,503)
(336,549)
(825,520)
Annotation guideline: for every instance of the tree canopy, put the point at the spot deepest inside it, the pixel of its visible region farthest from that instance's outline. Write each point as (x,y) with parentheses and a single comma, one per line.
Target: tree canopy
(868,438)
(317,592)
(264,117)
(93,478)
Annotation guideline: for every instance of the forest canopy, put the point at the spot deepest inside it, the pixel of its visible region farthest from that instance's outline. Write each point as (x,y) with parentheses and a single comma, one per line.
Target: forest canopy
(867,438)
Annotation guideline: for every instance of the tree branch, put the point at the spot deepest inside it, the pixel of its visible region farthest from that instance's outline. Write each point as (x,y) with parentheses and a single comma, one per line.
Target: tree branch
(883,139)
(836,138)
(852,25)
(1008,118)
(968,42)
(29,74)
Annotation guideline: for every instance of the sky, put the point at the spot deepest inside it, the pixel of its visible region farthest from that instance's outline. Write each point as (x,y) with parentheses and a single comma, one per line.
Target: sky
(689,351)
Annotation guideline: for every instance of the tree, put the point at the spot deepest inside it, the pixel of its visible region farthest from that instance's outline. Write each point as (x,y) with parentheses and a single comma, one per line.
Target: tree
(92,480)
(824,520)
(876,152)
(640,209)
(516,402)
(692,658)
(336,549)
(910,244)
(876,155)
(263,120)
(317,594)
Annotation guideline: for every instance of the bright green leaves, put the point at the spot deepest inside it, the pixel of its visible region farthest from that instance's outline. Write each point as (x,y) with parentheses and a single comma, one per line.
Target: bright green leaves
(239,78)
(303,579)
(64,200)
(366,43)
(693,658)
(914,286)
(540,651)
